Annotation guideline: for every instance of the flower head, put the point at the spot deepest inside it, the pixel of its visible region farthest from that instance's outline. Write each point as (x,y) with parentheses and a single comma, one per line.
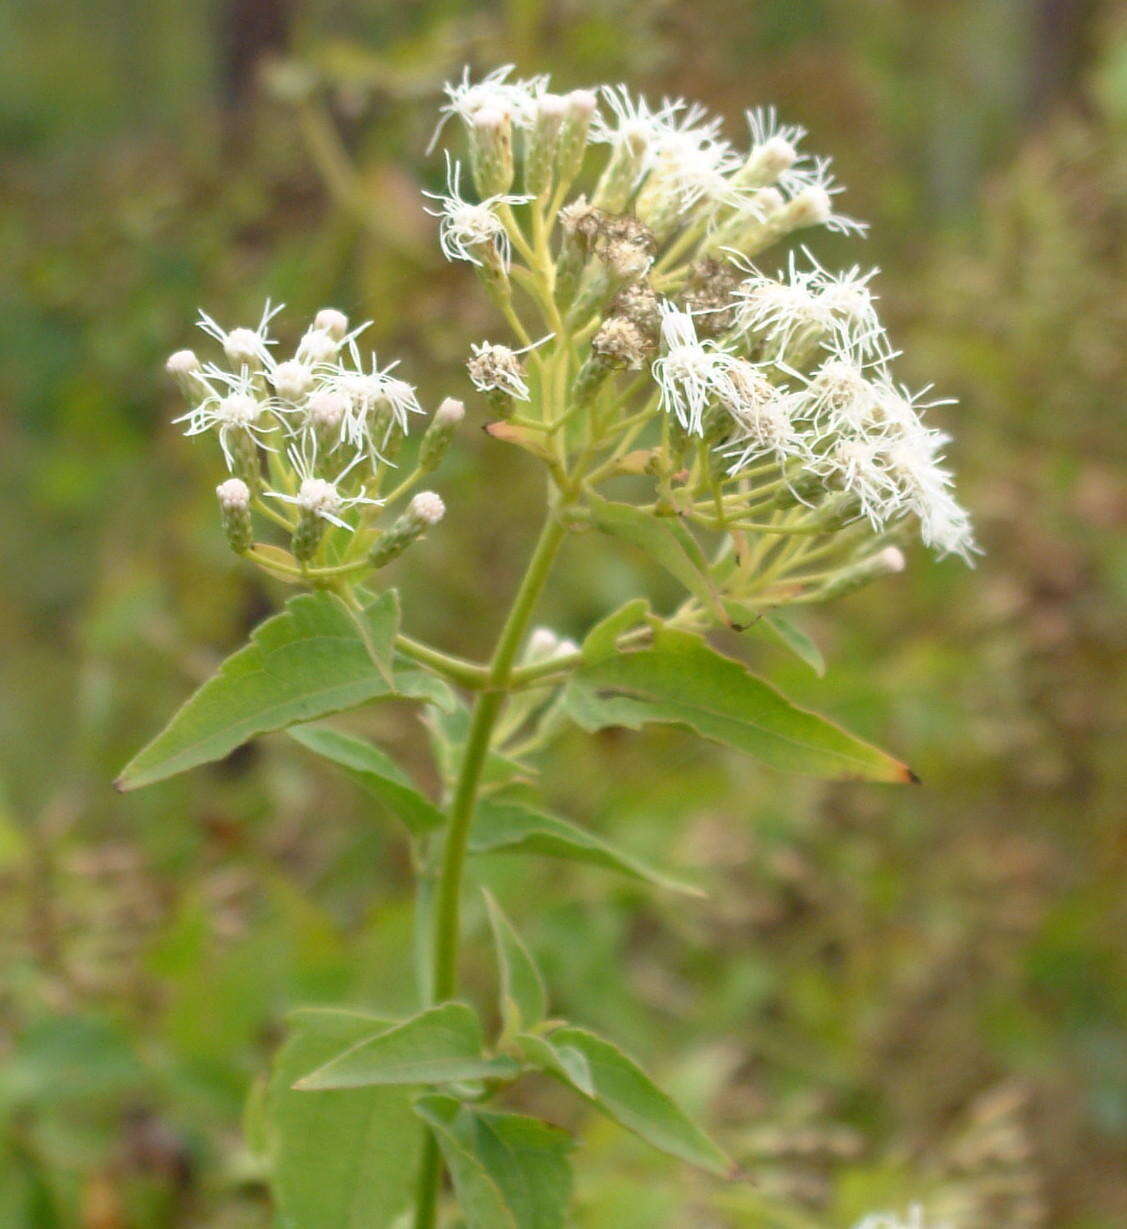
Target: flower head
(321,497)
(493,367)
(513,100)
(689,167)
(774,147)
(230,406)
(244,347)
(292,379)
(466,229)
(377,401)
(762,413)
(689,372)
(845,391)
(634,123)
(811,191)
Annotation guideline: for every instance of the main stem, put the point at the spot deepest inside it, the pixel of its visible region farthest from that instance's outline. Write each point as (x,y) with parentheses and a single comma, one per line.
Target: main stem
(487,708)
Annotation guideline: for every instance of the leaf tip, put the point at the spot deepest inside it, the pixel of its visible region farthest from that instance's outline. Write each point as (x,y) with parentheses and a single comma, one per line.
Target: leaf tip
(122,784)
(910,777)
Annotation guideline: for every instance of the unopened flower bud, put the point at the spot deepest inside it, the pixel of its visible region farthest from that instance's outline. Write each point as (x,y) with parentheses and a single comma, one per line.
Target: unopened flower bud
(491,151)
(767,162)
(292,380)
(580,106)
(183,367)
(621,175)
(803,489)
(244,348)
(317,346)
(326,410)
(436,439)
(245,462)
(543,141)
(852,577)
(330,321)
(755,228)
(811,207)
(425,510)
(450,413)
(234,505)
(542,645)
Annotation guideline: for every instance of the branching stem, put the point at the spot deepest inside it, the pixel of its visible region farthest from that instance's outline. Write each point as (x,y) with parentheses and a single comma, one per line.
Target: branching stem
(448,904)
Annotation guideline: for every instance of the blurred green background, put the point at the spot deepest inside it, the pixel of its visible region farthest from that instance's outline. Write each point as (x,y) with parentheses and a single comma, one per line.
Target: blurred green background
(886,996)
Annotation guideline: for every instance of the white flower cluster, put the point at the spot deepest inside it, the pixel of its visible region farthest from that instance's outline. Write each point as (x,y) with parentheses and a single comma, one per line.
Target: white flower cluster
(791,370)
(323,410)
(804,378)
(670,158)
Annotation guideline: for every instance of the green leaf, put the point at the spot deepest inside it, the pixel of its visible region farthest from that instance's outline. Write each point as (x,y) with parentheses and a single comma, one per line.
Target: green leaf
(438,1046)
(374,771)
(617,1086)
(511,827)
(312,659)
(602,640)
(665,540)
(508,1170)
(682,681)
(524,1000)
(565,1063)
(781,630)
(378,628)
(343,1158)
(479,1197)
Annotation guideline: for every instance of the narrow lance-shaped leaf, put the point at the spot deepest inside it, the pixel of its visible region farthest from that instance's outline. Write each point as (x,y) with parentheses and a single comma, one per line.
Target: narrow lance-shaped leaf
(312,659)
(507,1169)
(342,1158)
(616,1085)
(513,827)
(682,681)
(524,1000)
(441,1045)
(375,772)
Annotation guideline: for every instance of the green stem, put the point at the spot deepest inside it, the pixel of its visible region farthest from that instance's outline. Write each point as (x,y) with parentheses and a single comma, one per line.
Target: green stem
(469,674)
(448,905)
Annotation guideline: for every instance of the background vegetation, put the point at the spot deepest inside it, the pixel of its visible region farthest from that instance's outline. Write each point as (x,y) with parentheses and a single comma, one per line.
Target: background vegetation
(886,996)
